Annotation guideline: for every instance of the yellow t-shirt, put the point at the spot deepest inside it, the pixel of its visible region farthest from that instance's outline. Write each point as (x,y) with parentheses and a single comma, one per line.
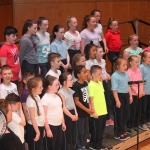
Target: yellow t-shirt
(96,91)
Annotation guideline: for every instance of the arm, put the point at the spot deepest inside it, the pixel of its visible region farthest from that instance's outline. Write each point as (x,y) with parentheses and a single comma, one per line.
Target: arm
(25,111)
(80,105)
(104,41)
(48,130)
(130,94)
(22,122)
(125,55)
(34,123)
(66,41)
(115,94)
(92,107)
(82,45)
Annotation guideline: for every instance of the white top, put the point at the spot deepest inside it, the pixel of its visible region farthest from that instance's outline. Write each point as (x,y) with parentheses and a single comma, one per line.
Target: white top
(31,103)
(73,41)
(90,36)
(15,127)
(99,31)
(52,73)
(54,110)
(102,64)
(89,64)
(7,89)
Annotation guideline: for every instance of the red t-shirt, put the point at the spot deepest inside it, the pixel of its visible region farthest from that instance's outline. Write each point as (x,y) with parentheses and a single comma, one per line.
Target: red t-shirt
(11,53)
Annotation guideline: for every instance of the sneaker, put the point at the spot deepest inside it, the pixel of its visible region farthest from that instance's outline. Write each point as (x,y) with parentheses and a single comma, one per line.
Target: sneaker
(148,124)
(103,148)
(94,147)
(124,137)
(143,127)
(117,137)
(140,130)
(131,131)
(109,122)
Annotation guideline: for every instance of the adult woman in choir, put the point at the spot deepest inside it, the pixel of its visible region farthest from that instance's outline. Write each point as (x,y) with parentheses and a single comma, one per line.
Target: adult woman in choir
(28,54)
(88,33)
(8,140)
(97,14)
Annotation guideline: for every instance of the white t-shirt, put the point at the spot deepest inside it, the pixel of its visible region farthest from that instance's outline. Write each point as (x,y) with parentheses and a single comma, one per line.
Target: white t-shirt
(15,127)
(31,103)
(7,89)
(52,73)
(90,36)
(89,64)
(54,110)
(99,31)
(73,41)
(102,64)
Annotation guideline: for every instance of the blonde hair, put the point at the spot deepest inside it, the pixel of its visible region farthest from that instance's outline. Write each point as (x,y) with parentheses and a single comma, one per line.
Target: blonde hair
(131,58)
(144,54)
(68,21)
(119,61)
(130,38)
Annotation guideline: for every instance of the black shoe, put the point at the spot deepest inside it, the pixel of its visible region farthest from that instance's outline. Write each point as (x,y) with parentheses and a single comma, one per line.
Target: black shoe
(94,147)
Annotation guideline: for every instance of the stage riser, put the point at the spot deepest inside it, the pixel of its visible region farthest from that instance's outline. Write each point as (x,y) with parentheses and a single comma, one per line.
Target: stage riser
(132,141)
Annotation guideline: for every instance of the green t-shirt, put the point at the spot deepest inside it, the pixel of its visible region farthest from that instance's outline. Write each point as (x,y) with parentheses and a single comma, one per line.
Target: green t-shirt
(96,91)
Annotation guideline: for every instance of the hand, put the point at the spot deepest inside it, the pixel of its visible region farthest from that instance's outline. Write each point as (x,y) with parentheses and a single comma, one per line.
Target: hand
(108,76)
(49,134)
(20,77)
(118,104)
(63,127)
(106,49)
(37,137)
(143,93)
(95,115)
(90,111)
(131,99)
(140,94)
(74,118)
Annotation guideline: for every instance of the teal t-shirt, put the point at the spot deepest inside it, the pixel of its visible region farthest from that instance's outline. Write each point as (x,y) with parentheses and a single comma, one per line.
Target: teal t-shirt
(96,91)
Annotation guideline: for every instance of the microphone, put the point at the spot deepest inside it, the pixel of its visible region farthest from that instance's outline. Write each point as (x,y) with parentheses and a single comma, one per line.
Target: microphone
(136,82)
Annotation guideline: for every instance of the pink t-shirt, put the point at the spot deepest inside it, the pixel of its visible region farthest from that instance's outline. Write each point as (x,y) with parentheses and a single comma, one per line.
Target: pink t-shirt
(147,49)
(135,76)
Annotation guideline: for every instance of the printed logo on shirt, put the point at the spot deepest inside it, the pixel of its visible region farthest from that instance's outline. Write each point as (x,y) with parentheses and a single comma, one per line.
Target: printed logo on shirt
(3,124)
(85,94)
(16,55)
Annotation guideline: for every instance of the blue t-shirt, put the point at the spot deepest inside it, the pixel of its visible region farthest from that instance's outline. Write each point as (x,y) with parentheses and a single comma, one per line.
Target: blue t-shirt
(60,47)
(119,82)
(145,70)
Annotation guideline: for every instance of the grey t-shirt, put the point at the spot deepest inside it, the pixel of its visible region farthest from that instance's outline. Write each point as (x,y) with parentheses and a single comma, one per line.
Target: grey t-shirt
(28,51)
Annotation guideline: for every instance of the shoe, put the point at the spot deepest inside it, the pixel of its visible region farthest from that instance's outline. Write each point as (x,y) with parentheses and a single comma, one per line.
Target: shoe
(117,137)
(124,137)
(140,130)
(94,147)
(143,127)
(148,124)
(131,131)
(103,148)
(109,122)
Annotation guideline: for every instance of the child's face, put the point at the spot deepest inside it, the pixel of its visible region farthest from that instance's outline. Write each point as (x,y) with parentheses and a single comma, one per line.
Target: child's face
(81,61)
(99,53)
(33,29)
(134,42)
(83,74)
(7,75)
(56,63)
(92,52)
(92,23)
(9,114)
(26,80)
(135,62)
(55,86)
(44,25)
(97,15)
(60,34)
(15,107)
(69,80)
(11,38)
(38,89)
(114,25)
(73,23)
(123,66)
(97,76)
(146,59)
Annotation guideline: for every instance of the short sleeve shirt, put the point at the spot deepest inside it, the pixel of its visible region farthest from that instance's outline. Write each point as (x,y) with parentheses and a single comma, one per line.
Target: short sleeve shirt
(96,91)
(52,73)
(11,53)
(89,64)
(81,91)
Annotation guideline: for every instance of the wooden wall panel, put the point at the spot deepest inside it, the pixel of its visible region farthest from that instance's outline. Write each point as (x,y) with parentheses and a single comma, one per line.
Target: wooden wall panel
(57,11)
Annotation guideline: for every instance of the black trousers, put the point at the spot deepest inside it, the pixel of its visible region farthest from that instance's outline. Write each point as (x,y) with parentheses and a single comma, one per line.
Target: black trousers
(56,142)
(44,69)
(107,98)
(82,132)
(97,127)
(26,66)
(64,61)
(32,145)
(121,114)
(145,109)
(69,140)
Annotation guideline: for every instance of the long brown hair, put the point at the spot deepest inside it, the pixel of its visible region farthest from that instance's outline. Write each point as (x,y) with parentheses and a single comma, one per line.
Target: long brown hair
(33,83)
